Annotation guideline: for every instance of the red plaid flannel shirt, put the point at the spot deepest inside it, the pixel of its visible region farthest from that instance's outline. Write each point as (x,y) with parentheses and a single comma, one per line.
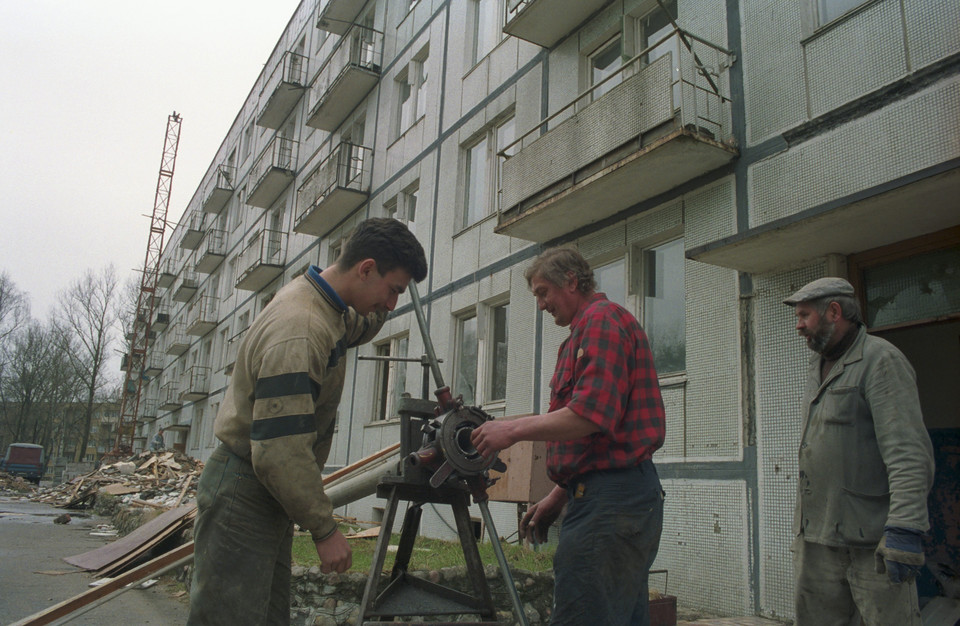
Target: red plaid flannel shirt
(605,374)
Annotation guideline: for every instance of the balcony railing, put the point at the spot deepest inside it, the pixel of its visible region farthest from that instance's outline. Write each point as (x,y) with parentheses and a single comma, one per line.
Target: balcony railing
(273,172)
(161,318)
(193,231)
(662,120)
(336,16)
(285,85)
(339,185)
(170,396)
(168,274)
(213,250)
(219,189)
(262,260)
(154,364)
(177,340)
(187,287)
(197,382)
(345,79)
(148,409)
(545,22)
(202,316)
(233,345)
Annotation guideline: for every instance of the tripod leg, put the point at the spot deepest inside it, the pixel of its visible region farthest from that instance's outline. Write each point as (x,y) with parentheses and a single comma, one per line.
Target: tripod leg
(472,556)
(380,555)
(408,535)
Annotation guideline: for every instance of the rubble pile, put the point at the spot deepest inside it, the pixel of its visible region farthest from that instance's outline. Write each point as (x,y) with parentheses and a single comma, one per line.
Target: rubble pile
(14,485)
(161,480)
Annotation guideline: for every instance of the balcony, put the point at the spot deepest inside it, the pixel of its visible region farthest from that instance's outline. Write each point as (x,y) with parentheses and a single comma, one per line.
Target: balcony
(197,384)
(213,250)
(154,365)
(170,397)
(233,346)
(639,133)
(148,409)
(201,316)
(167,274)
(339,185)
(273,172)
(161,319)
(187,287)
(177,341)
(262,260)
(336,16)
(345,79)
(219,189)
(193,232)
(126,359)
(545,22)
(285,86)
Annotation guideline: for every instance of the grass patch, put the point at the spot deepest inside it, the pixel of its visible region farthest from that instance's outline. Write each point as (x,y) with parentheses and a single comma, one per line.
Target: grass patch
(427,553)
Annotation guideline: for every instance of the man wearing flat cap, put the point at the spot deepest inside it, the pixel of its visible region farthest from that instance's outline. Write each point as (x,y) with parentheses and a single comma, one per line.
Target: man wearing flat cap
(866,466)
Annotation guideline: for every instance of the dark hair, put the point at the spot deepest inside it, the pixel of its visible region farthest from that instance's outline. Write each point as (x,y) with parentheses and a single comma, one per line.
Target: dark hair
(849,307)
(556,265)
(388,242)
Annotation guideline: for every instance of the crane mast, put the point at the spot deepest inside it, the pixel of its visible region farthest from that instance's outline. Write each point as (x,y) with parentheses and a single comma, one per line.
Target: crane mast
(147,298)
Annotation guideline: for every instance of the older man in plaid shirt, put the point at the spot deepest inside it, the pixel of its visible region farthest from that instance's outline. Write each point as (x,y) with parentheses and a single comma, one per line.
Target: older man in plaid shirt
(605,422)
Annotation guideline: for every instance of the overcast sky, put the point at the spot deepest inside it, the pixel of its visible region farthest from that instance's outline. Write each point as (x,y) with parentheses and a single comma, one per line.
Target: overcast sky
(87,87)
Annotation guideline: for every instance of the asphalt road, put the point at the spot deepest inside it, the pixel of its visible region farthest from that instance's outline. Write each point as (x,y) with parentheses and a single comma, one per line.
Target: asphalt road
(34,577)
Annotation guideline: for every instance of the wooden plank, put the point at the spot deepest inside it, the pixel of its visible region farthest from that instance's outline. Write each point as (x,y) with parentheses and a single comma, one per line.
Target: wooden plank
(343,471)
(96,559)
(71,605)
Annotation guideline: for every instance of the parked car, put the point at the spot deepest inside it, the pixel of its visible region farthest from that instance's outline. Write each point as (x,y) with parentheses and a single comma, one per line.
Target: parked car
(24,459)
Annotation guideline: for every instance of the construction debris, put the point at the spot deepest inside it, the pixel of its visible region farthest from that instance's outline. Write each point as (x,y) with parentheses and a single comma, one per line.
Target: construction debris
(160,480)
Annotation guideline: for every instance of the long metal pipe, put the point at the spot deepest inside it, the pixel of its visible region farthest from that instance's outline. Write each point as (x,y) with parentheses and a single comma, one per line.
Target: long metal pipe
(504,566)
(427,342)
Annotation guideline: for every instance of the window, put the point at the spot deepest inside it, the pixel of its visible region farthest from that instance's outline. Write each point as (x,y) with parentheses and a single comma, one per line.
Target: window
(248,139)
(487,28)
(481,355)
(480,188)
(611,280)
(391,376)
(605,62)
(829,10)
(411,91)
(403,206)
(497,358)
(664,316)
(465,380)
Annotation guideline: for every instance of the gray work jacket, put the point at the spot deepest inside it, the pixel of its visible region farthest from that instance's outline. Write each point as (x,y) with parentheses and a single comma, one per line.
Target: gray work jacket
(866,460)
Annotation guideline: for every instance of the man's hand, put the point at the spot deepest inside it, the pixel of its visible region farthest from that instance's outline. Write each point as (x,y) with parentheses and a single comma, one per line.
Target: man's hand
(335,553)
(900,554)
(539,517)
(491,437)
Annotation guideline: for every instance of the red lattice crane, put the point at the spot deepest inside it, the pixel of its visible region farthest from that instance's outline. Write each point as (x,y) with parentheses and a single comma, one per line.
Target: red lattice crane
(147,299)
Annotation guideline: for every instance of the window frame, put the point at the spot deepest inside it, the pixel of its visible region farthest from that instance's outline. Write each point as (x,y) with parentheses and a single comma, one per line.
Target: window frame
(412,79)
(389,374)
(476,54)
(491,137)
(639,284)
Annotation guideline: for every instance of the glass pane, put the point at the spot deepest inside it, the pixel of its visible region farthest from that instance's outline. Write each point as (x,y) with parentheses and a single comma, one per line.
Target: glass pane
(498,373)
(488,28)
(400,375)
(475,201)
(832,9)
(606,62)
(406,106)
(466,381)
(922,287)
(383,378)
(664,316)
(611,280)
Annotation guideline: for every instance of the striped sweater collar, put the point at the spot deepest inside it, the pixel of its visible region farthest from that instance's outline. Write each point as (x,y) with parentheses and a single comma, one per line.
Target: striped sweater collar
(313,275)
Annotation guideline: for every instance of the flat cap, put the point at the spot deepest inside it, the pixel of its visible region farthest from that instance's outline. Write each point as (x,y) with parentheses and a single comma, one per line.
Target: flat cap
(821,288)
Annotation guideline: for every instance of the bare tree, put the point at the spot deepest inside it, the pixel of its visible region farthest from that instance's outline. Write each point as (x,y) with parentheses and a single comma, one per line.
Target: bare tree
(14,307)
(87,314)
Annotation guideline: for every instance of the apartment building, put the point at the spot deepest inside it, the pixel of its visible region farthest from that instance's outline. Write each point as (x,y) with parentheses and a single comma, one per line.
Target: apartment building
(708,157)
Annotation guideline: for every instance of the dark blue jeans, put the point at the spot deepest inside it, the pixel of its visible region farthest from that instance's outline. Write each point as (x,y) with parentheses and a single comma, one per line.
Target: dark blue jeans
(243,538)
(608,541)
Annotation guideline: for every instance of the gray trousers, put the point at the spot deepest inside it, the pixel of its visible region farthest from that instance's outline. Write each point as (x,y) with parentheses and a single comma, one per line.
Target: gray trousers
(833,584)
(243,538)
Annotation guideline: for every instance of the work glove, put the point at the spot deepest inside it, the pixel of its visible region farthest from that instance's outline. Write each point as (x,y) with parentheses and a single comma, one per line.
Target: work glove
(900,554)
